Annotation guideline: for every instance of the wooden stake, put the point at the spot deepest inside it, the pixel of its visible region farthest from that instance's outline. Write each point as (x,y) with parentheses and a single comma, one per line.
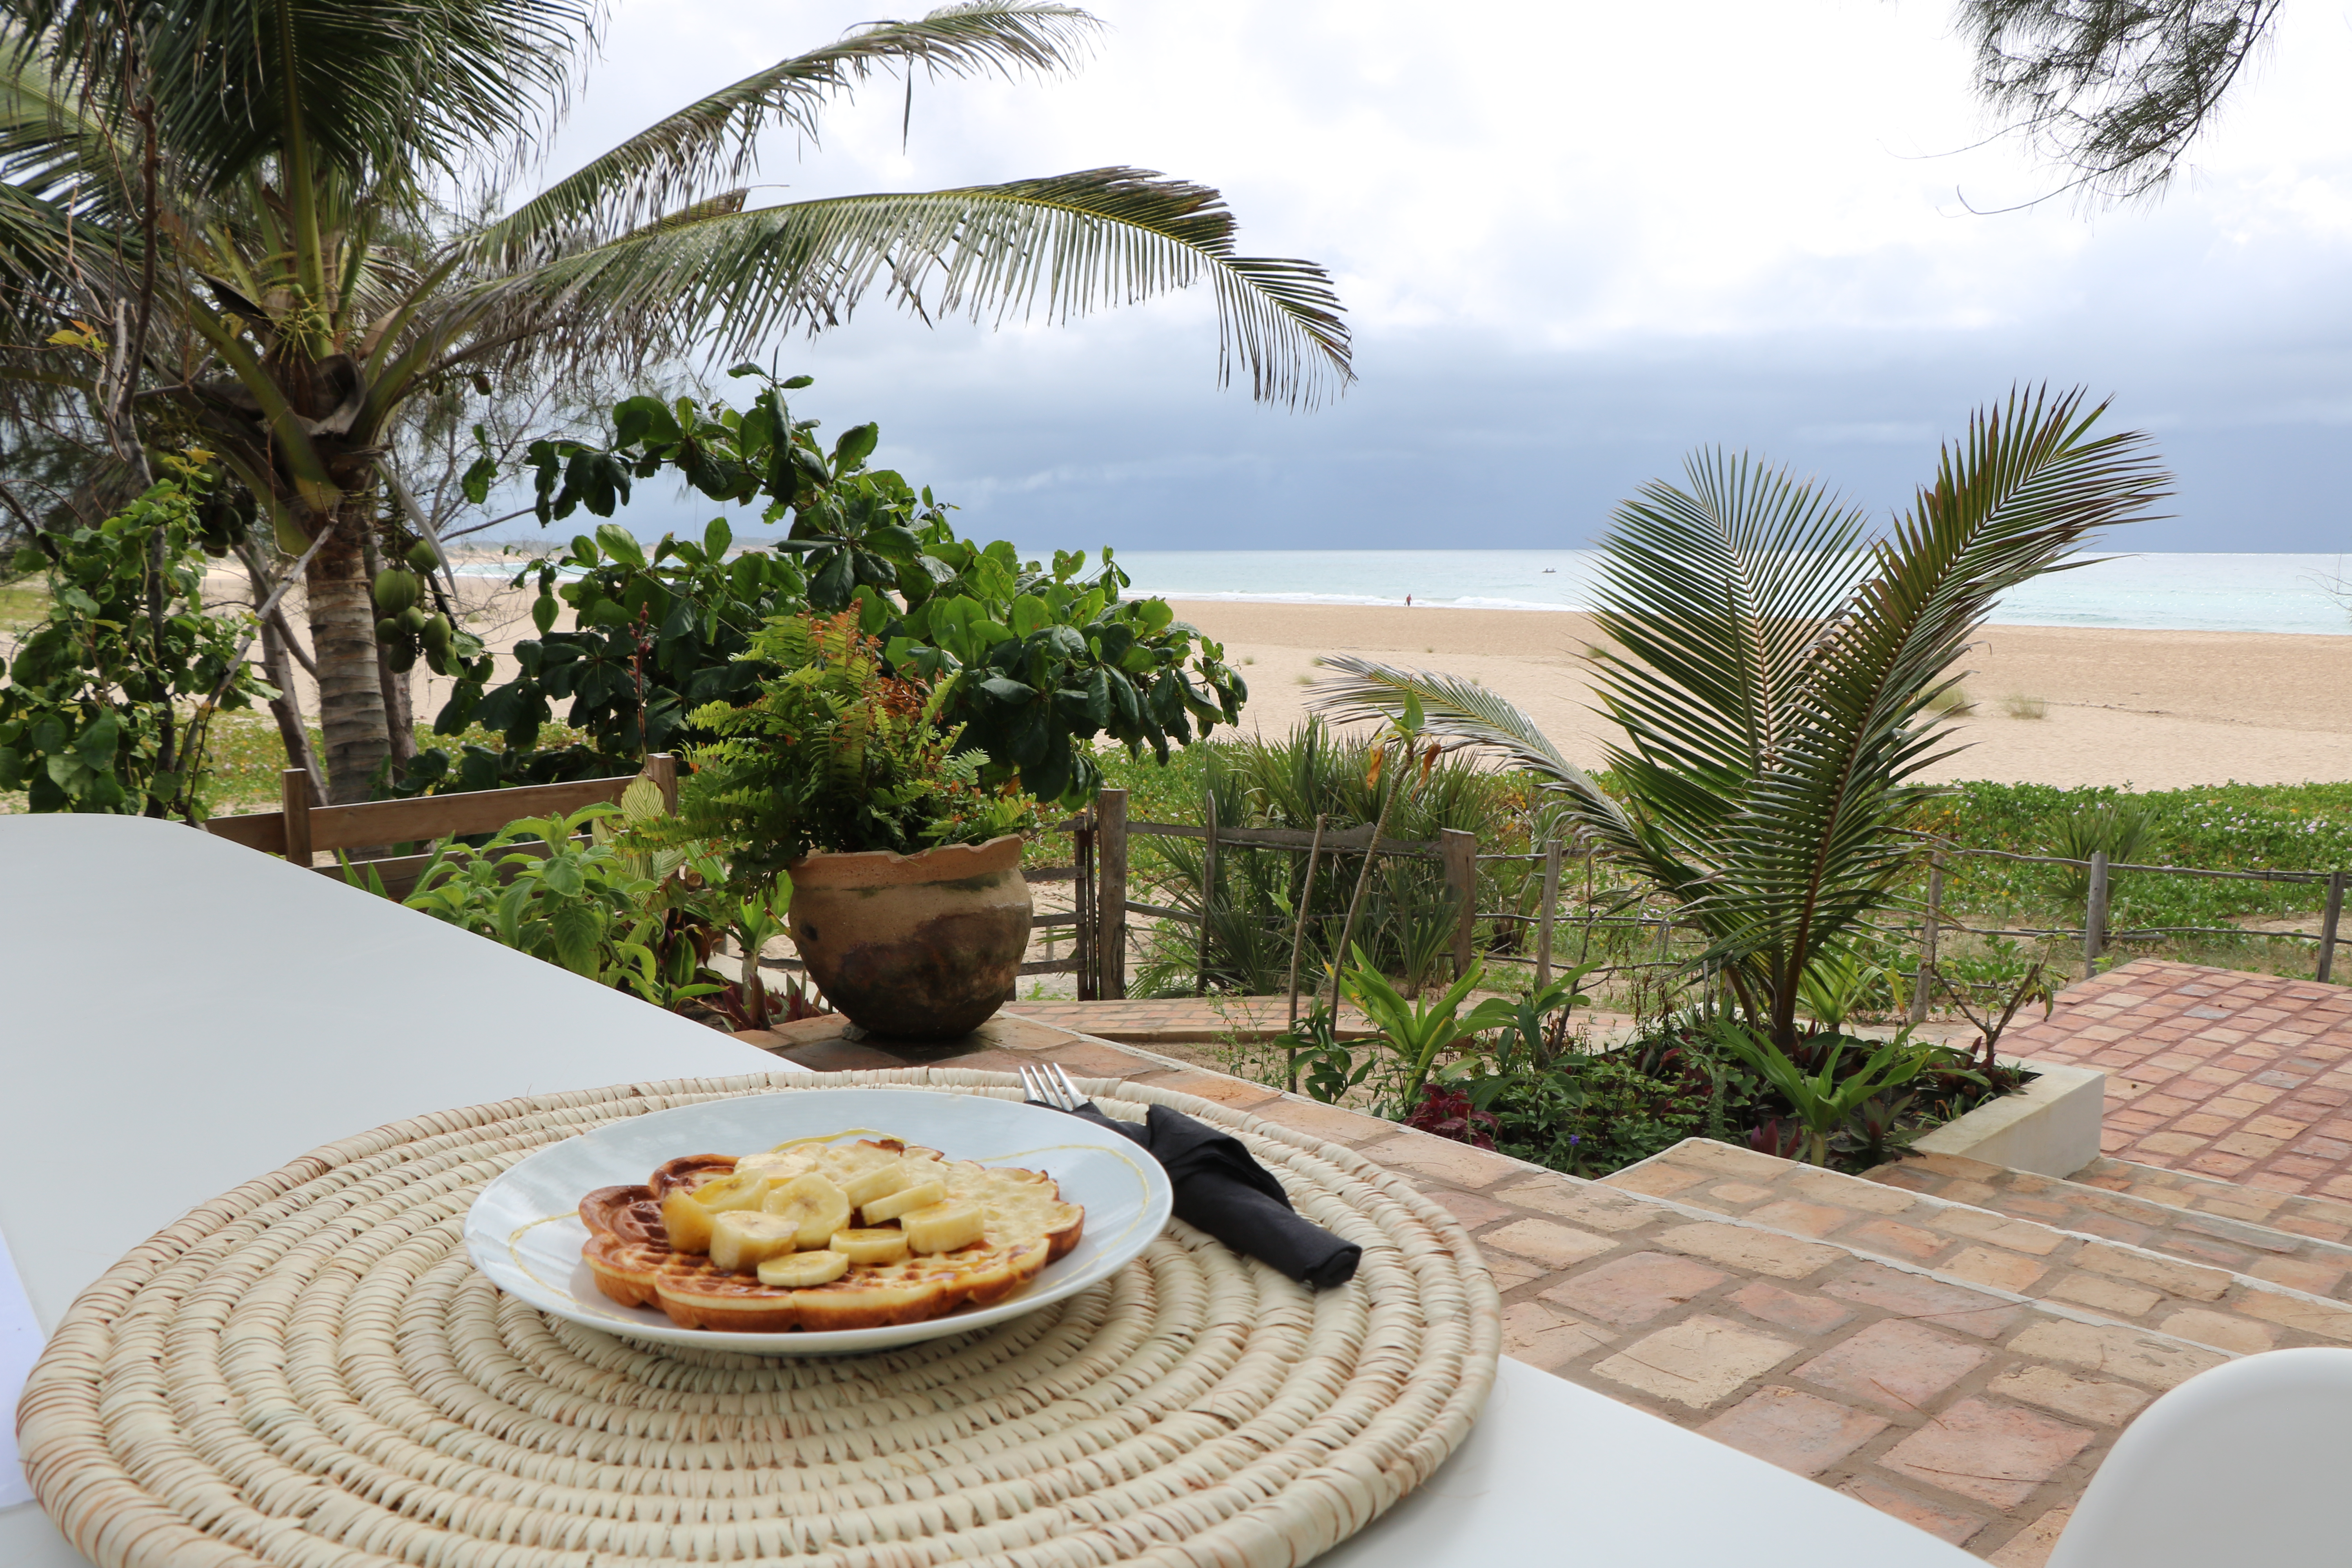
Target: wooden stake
(1544,920)
(294,800)
(1924,990)
(1459,853)
(2327,924)
(2094,915)
(1208,898)
(1110,820)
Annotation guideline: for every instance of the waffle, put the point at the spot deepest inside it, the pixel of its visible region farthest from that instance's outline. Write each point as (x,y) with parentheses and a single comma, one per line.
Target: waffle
(1025,1227)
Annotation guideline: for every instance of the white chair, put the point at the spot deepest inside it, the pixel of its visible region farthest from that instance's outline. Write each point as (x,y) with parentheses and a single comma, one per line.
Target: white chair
(2245,1466)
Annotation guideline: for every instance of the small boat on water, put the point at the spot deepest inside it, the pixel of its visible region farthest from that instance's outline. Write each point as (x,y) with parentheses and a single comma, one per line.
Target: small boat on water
(1549,570)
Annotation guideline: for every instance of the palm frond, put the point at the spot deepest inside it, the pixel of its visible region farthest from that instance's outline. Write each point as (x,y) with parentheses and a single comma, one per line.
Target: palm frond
(675,160)
(379,91)
(1814,848)
(1055,247)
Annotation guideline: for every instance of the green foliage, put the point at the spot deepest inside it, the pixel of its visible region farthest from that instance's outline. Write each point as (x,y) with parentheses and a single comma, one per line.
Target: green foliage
(1032,663)
(836,754)
(98,686)
(615,914)
(1841,983)
(1415,1033)
(1774,672)
(1408,920)
(1824,1100)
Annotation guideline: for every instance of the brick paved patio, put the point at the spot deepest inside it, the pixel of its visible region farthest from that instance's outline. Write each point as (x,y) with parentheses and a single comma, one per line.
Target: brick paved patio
(2212,1071)
(1963,1368)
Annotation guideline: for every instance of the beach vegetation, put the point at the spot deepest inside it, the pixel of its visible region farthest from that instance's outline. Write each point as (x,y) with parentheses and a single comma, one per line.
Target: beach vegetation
(1773,667)
(2017,705)
(107,701)
(255,245)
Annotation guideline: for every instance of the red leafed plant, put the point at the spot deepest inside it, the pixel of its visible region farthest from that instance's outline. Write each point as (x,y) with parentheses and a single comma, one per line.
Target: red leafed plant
(1448,1113)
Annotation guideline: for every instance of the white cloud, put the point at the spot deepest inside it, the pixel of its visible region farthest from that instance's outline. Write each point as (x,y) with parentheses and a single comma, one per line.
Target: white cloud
(1574,237)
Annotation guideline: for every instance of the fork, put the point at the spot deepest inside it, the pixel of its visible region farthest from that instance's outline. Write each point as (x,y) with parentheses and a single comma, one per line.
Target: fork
(1055,1091)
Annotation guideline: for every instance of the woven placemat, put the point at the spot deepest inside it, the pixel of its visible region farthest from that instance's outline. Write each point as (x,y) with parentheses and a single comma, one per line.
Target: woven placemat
(308,1372)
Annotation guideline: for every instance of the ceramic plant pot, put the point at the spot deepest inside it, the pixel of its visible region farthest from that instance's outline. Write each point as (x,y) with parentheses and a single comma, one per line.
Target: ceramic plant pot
(914,947)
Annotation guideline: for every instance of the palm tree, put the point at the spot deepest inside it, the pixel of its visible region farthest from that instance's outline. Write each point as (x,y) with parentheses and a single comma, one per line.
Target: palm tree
(1775,673)
(248,204)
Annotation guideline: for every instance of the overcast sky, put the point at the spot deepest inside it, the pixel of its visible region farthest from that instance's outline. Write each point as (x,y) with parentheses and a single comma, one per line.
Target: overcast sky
(1575,240)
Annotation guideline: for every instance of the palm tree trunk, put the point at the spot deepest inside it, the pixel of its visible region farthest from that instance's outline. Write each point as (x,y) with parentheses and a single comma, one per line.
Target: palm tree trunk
(342,641)
(399,720)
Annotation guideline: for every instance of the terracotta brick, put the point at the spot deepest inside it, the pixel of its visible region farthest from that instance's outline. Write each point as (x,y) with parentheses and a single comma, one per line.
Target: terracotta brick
(1829,1188)
(1088,1058)
(1977,1226)
(2204,1124)
(1555,1246)
(1740,1193)
(2177,1144)
(2226,1166)
(1445,1159)
(1806,1219)
(2327,1319)
(1658,1181)
(1929,1301)
(1894,1363)
(2111,1296)
(2069,1393)
(1726,1159)
(2222,1331)
(2174,1279)
(1635,1288)
(1764,1251)
(1794,1430)
(2299,1273)
(1942,1523)
(2251,1145)
(1237,1093)
(1806,1314)
(2030,1547)
(1996,1454)
(1894,1238)
(1698,1362)
(2118,1352)
(1588,1204)
(1534,1333)
(1990,1266)
(1327,1121)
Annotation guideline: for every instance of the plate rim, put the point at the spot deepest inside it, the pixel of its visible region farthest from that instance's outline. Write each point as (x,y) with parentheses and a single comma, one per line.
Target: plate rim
(489,1241)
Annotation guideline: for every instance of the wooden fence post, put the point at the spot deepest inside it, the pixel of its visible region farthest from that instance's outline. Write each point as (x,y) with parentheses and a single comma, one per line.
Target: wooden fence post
(2094,915)
(1544,920)
(1083,903)
(662,768)
(294,800)
(1111,853)
(1459,853)
(2327,923)
(1208,898)
(1923,990)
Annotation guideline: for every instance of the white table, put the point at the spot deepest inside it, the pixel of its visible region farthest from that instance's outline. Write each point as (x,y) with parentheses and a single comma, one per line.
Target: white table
(218,1012)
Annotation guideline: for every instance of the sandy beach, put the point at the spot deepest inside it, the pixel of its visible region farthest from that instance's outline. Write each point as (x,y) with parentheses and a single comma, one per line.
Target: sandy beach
(2143,709)
(2148,710)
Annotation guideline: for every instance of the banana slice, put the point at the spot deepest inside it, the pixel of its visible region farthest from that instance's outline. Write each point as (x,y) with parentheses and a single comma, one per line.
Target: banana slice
(777,1164)
(742,1239)
(743,1190)
(883,1245)
(687,1222)
(812,1204)
(890,1206)
(879,1182)
(799,1270)
(942,1227)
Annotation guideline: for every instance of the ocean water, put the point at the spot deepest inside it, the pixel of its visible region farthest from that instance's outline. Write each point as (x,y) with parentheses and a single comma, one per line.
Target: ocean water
(2221,593)
(2204,592)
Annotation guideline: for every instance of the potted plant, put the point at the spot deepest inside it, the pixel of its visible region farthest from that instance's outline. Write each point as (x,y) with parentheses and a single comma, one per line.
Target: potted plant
(906,900)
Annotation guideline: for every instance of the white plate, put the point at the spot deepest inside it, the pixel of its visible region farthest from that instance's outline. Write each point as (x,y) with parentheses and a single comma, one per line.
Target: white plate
(524,1231)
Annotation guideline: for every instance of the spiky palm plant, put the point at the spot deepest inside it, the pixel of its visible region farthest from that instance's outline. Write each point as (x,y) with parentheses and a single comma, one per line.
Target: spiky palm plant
(251,201)
(1774,671)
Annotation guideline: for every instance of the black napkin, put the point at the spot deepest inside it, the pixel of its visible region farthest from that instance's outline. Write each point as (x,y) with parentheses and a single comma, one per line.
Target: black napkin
(1222,1190)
